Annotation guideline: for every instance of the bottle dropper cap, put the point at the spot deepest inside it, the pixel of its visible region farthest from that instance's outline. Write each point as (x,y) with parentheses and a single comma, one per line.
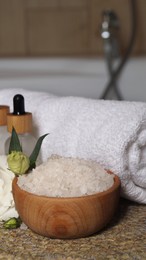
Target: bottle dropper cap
(4,110)
(18,105)
(19,119)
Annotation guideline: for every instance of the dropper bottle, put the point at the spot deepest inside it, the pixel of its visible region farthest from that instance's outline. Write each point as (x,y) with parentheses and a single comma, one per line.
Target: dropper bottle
(22,122)
(4,110)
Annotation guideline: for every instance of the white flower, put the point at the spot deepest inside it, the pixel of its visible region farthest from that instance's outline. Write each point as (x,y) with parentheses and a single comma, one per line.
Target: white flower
(7,206)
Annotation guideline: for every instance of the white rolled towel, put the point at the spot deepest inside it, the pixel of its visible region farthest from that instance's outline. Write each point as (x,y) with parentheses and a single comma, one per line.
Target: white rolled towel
(111,132)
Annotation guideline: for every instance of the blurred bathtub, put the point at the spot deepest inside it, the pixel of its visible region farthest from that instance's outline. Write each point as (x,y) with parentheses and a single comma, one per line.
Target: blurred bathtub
(72,76)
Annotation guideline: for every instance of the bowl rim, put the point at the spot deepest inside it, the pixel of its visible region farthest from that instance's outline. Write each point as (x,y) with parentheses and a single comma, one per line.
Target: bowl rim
(115,186)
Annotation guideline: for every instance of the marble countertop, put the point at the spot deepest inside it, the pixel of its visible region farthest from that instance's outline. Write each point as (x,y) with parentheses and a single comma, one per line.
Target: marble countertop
(123,238)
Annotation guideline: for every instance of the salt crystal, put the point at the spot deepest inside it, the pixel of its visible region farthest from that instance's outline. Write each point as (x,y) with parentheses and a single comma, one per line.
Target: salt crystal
(66,177)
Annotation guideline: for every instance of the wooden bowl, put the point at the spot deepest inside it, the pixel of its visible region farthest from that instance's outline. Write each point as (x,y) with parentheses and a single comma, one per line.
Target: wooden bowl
(66,217)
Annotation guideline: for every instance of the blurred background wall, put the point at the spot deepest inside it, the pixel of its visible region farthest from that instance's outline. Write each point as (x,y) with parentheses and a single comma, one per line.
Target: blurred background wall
(64,27)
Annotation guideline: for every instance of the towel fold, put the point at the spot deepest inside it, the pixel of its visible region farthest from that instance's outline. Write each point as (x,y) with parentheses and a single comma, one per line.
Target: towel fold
(111,132)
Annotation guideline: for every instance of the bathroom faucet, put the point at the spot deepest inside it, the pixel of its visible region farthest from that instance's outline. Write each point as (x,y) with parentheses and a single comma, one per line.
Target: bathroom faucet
(109,32)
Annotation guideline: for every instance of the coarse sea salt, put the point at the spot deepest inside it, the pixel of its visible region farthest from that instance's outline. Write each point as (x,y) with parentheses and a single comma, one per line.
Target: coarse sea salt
(66,177)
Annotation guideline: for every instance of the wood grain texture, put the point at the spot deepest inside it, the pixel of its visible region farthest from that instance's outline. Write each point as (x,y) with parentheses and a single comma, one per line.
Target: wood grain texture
(65,27)
(57,31)
(21,123)
(12,27)
(4,110)
(66,217)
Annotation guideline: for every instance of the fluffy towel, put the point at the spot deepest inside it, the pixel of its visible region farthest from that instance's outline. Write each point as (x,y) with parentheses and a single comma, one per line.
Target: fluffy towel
(111,132)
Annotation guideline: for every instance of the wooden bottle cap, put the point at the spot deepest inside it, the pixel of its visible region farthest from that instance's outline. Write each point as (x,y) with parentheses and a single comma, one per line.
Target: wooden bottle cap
(21,123)
(4,110)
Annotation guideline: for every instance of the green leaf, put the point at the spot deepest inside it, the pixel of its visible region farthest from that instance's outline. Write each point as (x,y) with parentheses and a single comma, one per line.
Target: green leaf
(35,153)
(12,223)
(14,142)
